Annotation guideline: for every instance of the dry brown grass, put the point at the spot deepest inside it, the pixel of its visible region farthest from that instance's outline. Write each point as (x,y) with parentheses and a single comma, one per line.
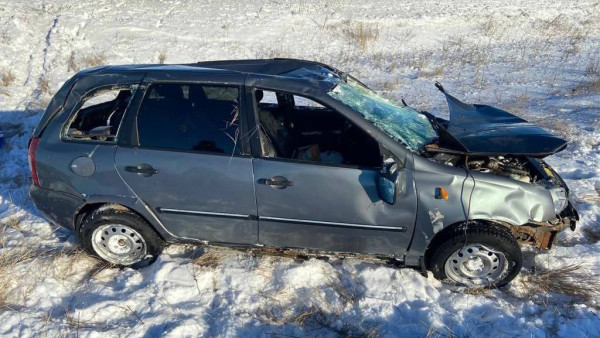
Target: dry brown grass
(436,72)
(45,85)
(5,37)
(360,32)
(349,295)
(87,61)
(211,258)
(592,70)
(562,25)
(589,198)
(491,28)
(387,85)
(316,318)
(25,262)
(7,78)
(93,60)
(571,33)
(16,278)
(588,87)
(13,222)
(593,66)
(162,57)
(23,267)
(274,51)
(311,308)
(406,35)
(572,280)
(76,266)
(436,331)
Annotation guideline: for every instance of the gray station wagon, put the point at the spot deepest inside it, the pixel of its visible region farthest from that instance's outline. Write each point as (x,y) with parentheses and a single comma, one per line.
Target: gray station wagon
(292,154)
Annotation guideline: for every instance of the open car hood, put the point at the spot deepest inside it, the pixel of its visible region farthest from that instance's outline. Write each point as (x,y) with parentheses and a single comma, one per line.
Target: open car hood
(486,130)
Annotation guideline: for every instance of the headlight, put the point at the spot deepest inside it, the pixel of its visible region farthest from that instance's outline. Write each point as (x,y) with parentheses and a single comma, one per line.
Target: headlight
(559,198)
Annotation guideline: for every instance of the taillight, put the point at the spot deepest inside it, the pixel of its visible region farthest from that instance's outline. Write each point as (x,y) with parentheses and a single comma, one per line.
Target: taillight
(32,150)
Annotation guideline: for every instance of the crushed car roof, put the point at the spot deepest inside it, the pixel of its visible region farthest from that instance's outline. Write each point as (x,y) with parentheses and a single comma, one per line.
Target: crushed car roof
(261,66)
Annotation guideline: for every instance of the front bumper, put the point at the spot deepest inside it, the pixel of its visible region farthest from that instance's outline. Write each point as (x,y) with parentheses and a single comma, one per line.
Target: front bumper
(59,207)
(544,234)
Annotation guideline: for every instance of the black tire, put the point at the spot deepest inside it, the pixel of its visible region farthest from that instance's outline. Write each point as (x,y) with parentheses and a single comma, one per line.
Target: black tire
(492,236)
(120,215)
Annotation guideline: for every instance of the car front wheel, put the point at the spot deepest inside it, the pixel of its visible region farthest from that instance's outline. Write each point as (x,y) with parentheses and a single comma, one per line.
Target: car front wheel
(477,255)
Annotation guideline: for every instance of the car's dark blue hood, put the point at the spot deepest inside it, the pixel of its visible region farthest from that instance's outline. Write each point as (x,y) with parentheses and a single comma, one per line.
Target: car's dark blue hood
(481,129)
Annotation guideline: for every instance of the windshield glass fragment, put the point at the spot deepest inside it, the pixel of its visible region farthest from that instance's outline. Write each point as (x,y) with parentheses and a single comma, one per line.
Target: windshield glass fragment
(404,124)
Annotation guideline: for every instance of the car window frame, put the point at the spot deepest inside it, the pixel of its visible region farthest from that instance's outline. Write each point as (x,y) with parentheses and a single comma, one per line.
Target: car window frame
(253,125)
(133,141)
(73,114)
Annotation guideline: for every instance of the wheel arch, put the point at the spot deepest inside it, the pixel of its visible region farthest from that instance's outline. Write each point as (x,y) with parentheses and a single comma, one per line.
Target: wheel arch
(134,205)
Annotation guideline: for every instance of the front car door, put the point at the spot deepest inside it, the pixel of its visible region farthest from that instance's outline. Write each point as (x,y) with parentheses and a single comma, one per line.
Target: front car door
(330,207)
(187,162)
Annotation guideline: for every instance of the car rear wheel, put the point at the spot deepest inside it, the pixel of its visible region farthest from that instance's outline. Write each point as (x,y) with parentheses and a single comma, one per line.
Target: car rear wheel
(120,237)
(477,255)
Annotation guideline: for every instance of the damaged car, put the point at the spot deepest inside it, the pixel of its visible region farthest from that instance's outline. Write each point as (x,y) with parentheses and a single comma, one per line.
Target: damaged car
(286,153)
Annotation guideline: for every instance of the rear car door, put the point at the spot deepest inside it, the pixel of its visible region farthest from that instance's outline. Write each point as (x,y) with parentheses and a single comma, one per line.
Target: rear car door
(187,162)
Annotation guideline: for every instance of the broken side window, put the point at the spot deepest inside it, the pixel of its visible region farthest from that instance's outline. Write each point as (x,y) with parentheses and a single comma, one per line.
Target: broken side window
(300,102)
(99,115)
(301,129)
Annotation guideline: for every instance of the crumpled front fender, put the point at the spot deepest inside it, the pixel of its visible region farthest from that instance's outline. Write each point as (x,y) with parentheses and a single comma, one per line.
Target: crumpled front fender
(503,199)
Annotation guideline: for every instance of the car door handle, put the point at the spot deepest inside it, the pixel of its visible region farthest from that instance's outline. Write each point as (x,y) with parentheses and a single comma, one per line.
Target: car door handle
(144,169)
(276,182)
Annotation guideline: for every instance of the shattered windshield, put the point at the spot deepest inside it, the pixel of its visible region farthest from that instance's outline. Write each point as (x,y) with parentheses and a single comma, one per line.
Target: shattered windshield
(404,124)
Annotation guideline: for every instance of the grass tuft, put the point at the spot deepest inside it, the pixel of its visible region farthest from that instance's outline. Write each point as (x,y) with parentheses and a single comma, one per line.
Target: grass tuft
(16,279)
(571,280)
(7,78)
(13,222)
(211,258)
(588,87)
(593,67)
(87,61)
(45,85)
(359,32)
(162,57)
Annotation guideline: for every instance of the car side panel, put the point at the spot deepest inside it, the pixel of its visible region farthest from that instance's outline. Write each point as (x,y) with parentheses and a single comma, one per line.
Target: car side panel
(197,196)
(60,184)
(58,207)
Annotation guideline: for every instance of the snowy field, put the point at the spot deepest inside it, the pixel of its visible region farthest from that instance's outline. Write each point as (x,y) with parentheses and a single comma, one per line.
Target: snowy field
(537,58)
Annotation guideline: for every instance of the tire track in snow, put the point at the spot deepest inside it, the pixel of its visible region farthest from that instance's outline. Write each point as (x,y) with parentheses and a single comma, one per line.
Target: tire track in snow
(37,92)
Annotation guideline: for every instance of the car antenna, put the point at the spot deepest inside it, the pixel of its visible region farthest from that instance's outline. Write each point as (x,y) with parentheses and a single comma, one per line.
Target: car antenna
(440,87)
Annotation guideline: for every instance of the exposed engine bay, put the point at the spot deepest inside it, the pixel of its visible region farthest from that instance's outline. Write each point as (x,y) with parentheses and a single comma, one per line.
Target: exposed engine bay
(512,167)
(519,168)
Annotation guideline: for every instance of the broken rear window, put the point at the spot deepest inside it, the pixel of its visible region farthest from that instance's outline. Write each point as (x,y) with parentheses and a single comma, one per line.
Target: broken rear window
(100,115)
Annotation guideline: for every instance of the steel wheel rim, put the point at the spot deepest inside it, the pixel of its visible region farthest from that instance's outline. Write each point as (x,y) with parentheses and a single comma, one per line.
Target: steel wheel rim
(119,244)
(476,265)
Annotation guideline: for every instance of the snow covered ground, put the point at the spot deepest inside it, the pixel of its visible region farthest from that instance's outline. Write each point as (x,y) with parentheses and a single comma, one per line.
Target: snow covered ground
(537,58)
